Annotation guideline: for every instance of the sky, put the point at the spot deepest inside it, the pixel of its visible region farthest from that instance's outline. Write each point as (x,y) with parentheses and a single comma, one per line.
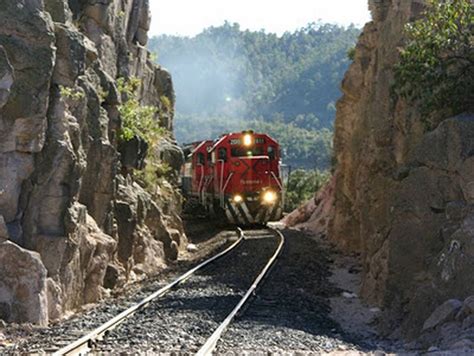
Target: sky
(190,17)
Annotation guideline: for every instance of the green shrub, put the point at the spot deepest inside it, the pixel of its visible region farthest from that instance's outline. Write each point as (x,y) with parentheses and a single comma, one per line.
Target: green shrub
(436,67)
(153,174)
(137,120)
(351,53)
(302,186)
(166,102)
(153,57)
(103,94)
(71,93)
(141,120)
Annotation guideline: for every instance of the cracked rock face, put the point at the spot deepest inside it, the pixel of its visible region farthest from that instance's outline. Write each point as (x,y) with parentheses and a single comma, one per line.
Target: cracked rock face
(22,285)
(68,206)
(403,195)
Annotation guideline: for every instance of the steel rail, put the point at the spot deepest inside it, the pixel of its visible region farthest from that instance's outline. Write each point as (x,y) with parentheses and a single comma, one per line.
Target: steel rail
(210,344)
(82,345)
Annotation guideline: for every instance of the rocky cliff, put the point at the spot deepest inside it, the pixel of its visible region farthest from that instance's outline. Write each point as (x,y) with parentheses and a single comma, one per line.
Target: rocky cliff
(73,222)
(404,194)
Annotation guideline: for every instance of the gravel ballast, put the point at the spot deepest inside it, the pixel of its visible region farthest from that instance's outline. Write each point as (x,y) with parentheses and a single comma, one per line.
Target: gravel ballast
(290,313)
(20,339)
(183,319)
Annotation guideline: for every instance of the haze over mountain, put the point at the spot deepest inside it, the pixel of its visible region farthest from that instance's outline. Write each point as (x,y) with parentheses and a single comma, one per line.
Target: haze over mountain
(227,79)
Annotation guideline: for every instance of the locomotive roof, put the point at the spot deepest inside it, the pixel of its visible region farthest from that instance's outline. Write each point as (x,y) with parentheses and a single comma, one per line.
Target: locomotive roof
(200,145)
(226,136)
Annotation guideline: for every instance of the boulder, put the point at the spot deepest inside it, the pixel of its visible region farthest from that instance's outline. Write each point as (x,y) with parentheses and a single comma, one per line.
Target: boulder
(133,153)
(23,285)
(164,84)
(444,313)
(172,154)
(103,248)
(316,213)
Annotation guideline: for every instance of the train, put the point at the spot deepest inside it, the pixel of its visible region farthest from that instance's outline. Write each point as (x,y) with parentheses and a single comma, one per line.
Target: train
(236,177)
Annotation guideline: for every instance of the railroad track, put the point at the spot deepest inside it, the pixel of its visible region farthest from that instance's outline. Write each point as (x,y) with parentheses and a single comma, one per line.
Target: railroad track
(225,306)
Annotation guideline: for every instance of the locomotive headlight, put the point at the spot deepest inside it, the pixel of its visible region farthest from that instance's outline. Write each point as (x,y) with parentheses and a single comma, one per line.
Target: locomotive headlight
(237,198)
(269,197)
(247,140)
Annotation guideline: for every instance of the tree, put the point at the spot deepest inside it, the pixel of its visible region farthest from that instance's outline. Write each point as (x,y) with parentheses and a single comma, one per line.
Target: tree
(302,186)
(436,67)
(225,71)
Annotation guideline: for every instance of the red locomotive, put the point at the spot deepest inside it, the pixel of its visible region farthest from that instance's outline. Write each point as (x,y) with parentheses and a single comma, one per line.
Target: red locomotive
(238,176)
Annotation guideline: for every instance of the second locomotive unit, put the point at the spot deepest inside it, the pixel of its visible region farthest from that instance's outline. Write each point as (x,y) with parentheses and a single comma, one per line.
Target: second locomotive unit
(238,176)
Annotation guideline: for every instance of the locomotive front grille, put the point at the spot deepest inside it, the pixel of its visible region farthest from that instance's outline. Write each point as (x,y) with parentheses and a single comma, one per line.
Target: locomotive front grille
(249,209)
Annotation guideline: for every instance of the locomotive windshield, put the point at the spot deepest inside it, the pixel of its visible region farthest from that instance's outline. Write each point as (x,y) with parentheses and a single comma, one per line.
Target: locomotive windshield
(247,151)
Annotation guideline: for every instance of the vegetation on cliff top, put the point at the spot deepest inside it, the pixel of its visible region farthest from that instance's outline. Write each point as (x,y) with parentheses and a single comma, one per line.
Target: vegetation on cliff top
(436,66)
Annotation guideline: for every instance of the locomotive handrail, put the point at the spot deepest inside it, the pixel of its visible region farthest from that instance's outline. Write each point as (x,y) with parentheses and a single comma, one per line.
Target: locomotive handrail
(277,180)
(227,181)
(222,173)
(221,180)
(200,182)
(282,189)
(225,186)
(207,182)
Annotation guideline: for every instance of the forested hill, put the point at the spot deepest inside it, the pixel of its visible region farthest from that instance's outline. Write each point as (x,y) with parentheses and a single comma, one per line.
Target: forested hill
(243,78)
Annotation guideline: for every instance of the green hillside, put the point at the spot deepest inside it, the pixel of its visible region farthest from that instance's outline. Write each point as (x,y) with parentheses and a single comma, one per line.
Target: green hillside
(227,79)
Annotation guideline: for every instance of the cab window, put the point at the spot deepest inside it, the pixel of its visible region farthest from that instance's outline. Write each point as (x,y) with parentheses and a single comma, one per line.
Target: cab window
(247,152)
(201,159)
(223,154)
(271,152)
